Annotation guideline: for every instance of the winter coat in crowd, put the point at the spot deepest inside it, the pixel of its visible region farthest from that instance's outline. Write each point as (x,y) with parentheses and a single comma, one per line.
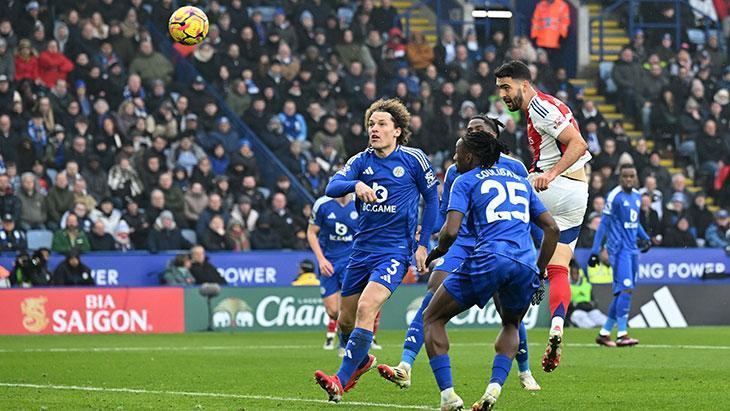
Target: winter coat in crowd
(73,275)
(205,272)
(33,205)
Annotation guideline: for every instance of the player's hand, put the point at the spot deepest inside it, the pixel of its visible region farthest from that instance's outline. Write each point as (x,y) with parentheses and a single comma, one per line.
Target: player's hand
(421,256)
(542,181)
(539,294)
(365,193)
(325,267)
(644,245)
(593,260)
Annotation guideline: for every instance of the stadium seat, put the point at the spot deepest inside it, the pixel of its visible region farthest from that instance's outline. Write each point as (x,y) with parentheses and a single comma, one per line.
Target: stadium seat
(39,239)
(190,236)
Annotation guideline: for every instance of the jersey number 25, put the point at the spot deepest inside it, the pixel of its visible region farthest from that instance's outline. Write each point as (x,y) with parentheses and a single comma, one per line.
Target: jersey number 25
(513,190)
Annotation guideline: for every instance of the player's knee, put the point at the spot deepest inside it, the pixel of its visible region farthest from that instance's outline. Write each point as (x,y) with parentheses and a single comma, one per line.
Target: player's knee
(367,309)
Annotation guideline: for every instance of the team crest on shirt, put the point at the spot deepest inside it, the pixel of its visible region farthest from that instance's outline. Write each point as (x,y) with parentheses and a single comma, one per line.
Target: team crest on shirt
(353,215)
(399,172)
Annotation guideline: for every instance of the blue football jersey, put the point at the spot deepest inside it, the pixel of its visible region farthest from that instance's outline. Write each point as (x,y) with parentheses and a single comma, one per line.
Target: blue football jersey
(337,226)
(620,221)
(500,204)
(466,237)
(399,180)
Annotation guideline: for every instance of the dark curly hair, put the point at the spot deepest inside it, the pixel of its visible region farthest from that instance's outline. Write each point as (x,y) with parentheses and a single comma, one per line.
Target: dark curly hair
(399,113)
(495,125)
(484,147)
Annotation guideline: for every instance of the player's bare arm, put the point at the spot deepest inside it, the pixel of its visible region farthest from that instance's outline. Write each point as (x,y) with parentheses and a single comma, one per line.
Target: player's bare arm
(575,148)
(325,266)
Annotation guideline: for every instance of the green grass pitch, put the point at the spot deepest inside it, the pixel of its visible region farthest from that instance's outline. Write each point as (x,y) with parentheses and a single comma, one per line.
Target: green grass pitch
(678,368)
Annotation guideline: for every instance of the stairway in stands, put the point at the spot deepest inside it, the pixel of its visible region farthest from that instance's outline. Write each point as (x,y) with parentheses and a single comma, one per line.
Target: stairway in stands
(422,18)
(615,37)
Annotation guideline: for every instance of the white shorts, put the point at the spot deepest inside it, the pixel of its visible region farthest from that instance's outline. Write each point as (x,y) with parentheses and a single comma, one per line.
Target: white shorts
(567,200)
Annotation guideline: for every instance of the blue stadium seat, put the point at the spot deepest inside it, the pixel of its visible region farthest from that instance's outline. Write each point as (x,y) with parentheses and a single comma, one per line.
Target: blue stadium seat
(39,239)
(190,236)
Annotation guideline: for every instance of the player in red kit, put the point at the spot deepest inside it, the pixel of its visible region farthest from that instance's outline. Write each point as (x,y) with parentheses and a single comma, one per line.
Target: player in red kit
(559,177)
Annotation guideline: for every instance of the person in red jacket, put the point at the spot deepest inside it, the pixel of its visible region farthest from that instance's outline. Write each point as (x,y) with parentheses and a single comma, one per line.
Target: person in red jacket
(550,23)
(53,65)
(26,62)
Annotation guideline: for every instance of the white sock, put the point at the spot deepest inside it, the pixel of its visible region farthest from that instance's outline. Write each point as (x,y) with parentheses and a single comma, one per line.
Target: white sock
(405,366)
(494,387)
(330,334)
(621,334)
(448,393)
(528,372)
(557,322)
(604,332)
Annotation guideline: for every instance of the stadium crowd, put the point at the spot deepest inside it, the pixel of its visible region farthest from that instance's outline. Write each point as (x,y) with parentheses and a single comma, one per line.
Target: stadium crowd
(102,147)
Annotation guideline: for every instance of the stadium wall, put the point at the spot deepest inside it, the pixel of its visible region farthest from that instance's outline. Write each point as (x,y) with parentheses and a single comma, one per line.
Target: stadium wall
(280,268)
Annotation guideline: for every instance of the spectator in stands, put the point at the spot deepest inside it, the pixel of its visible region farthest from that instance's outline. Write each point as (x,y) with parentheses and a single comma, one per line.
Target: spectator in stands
(174,200)
(245,213)
(237,234)
(295,128)
(700,216)
(711,149)
(609,156)
(659,172)
(151,65)
(70,237)
(59,200)
(124,180)
(214,237)
(11,238)
(165,235)
(649,219)
(265,237)
(53,65)
(679,186)
(97,180)
(680,235)
(328,135)
(215,207)
(419,53)
(26,62)
(99,239)
(196,200)
(282,221)
(33,213)
(137,223)
(245,156)
(107,214)
(122,239)
(624,74)
(72,272)
(178,271)
(185,153)
(585,312)
(202,269)
(718,233)
(589,229)
(81,195)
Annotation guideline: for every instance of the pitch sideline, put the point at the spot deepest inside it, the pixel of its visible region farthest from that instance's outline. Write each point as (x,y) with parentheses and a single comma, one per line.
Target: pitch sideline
(206,394)
(306,347)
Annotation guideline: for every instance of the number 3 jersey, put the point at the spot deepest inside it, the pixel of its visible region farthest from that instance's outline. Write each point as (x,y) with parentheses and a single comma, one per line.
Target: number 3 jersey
(399,180)
(337,226)
(500,205)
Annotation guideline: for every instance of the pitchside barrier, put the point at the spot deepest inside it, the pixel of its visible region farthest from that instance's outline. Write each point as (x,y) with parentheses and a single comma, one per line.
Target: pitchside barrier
(147,310)
(660,266)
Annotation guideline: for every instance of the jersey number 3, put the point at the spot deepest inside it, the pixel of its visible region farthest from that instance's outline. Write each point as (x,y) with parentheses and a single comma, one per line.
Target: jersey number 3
(513,190)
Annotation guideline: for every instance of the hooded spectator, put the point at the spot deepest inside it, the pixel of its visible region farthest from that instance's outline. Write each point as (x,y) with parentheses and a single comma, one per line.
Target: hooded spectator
(72,272)
(165,235)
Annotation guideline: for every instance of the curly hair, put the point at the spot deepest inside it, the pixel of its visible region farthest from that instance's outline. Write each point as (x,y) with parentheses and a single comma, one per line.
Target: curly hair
(484,147)
(495,126)
(399,113)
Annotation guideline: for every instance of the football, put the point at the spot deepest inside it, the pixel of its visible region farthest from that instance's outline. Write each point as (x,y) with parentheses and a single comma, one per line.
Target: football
(188,25)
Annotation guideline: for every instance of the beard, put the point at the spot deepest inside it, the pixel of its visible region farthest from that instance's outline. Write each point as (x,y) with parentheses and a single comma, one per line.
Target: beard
(514,104)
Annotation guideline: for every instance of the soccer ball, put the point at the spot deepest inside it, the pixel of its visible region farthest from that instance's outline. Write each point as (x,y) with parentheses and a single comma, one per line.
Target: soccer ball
(188,25)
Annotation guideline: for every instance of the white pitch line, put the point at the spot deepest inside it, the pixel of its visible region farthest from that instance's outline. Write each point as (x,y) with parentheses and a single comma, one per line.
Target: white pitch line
(208,394)
(308,347)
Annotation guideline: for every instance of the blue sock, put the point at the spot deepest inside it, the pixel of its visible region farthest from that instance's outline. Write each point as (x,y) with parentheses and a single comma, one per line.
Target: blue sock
(414,337)
(611,320)
(623,305)
(441,367)
(500,369)
(523,357)
(343,339)
(357,349)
